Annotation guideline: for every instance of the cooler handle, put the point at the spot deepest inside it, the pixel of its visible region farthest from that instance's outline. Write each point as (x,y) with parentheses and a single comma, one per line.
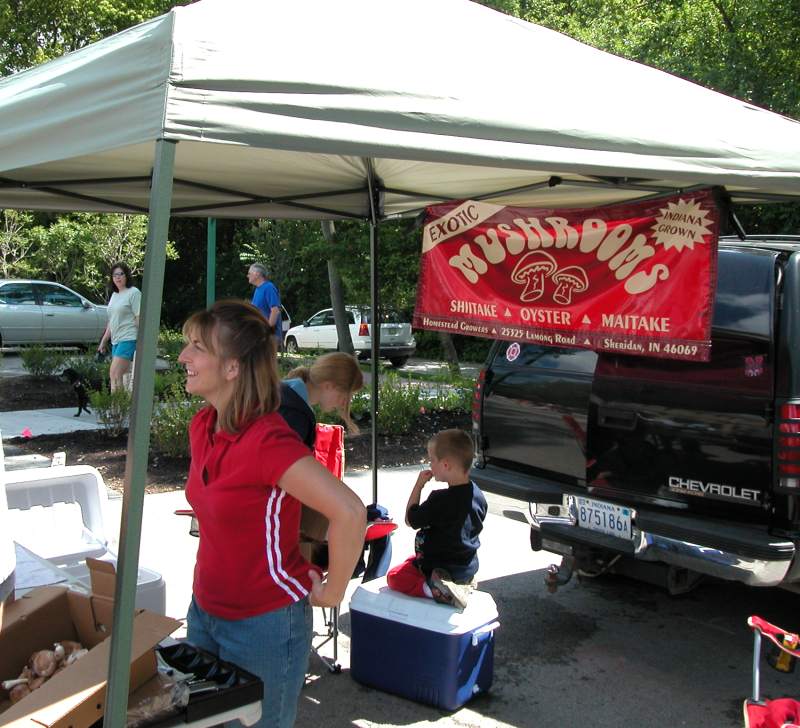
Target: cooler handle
(486,629)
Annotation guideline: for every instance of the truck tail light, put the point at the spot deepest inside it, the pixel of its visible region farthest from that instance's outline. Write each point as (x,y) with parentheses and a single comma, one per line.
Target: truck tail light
(363,329)
(788,447)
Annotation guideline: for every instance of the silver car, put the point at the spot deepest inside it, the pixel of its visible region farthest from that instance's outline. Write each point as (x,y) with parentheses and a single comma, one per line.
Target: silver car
(43,312)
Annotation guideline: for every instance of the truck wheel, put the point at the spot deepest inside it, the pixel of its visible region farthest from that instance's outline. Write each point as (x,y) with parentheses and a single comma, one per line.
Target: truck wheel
(291,345)
(398,361)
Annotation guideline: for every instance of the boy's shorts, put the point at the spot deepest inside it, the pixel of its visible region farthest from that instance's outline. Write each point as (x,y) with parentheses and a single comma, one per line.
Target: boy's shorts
(124,349)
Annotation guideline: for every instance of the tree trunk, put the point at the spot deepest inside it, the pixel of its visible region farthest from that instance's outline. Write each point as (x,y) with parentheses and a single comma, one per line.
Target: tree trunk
(449,351)
(337,294)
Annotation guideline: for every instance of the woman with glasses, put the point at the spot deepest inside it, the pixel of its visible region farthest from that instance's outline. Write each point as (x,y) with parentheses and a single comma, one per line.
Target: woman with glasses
(123,323)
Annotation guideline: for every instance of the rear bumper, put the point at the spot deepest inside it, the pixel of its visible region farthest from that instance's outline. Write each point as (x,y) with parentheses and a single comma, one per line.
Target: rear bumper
(726,550)
(647,546)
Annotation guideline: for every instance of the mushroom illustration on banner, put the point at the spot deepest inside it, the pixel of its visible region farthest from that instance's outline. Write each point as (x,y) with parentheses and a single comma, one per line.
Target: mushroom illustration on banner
(569,280)
(530,271)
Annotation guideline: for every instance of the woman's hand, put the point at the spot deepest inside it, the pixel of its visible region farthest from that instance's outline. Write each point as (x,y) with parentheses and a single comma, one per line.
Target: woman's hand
(101,347)
(320,593)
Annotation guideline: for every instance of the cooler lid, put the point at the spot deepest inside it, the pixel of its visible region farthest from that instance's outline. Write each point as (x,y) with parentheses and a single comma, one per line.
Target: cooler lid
(377,599)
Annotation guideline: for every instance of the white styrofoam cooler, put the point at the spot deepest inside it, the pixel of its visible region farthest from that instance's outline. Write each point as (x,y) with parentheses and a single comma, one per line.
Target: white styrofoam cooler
(414,647)
(59,514)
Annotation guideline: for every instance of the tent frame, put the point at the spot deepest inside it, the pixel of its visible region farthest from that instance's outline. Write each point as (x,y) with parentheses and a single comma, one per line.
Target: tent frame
(62,187)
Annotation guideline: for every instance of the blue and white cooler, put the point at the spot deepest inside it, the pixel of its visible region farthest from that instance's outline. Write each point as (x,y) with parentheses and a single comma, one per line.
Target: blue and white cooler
(413,647)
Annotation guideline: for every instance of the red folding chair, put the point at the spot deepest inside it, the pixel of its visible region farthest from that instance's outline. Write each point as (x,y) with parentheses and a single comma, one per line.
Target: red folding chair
(329,450)
(781,712)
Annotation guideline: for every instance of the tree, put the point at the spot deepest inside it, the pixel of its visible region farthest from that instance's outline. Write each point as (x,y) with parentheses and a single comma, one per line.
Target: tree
(79,249)
(343,335)
(34,31)
(295,252)
(15,244)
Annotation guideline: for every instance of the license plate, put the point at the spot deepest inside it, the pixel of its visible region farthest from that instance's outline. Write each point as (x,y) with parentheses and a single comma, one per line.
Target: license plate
(613,520)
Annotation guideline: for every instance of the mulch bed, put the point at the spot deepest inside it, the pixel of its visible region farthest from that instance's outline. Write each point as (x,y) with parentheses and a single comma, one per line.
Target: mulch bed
(26,392)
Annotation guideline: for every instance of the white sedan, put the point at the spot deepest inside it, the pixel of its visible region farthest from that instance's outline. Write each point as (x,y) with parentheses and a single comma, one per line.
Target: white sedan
(43,312)
(319,332)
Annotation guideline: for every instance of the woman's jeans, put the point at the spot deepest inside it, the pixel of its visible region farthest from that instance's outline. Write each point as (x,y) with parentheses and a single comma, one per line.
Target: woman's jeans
(274,646)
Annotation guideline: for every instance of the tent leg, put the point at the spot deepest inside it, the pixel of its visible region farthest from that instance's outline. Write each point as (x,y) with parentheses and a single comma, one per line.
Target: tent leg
(211,262)
(376,347)
(139,437)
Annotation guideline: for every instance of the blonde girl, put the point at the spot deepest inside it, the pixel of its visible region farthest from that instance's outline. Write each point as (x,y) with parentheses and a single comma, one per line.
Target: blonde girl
(330,382)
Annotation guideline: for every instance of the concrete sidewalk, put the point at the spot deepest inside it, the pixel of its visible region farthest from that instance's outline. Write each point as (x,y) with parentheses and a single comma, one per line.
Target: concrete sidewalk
(45,422)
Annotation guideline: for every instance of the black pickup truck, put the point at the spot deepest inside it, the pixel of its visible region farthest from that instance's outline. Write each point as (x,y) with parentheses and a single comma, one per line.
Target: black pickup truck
(657,468)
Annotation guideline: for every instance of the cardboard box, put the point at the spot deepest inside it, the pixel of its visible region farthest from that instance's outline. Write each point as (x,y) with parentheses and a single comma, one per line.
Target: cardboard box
(74,698)
(313,525)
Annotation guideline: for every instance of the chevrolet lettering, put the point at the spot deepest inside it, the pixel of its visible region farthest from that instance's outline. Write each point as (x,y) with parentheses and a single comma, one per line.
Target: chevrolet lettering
(713,490)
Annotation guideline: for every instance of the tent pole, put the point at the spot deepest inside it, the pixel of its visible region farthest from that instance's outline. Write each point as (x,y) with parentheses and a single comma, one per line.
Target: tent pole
(376,335)
(139,436)
(374,212)
(211,261)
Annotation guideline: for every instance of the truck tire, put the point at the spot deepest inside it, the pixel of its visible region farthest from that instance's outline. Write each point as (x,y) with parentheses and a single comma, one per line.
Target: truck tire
(398,361)
(291,345)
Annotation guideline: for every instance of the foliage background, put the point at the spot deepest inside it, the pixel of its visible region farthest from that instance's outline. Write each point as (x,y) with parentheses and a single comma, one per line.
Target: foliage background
(749,49)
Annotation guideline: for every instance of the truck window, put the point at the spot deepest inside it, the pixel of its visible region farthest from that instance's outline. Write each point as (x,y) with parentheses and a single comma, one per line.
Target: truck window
(745,282)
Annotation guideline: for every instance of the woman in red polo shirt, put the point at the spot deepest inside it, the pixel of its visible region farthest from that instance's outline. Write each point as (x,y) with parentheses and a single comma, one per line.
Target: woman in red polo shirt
(248,477)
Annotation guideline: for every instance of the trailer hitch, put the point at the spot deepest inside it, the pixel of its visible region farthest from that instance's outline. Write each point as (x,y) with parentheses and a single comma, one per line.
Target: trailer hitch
(559,574)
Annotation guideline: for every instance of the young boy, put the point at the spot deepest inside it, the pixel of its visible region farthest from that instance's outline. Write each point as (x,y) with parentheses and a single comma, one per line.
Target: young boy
(449,522)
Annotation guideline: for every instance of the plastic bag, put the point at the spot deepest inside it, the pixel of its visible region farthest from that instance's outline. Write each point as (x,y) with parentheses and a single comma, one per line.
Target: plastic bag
(159,697)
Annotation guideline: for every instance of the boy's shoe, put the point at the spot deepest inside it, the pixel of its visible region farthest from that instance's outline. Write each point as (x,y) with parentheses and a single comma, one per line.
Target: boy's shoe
(446,591)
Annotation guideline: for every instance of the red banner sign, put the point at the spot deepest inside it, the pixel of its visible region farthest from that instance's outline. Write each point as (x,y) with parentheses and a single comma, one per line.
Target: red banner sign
(636,278)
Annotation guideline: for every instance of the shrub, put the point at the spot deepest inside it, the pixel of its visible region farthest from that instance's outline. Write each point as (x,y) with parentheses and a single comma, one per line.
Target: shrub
(398,404)
(41,362)
(91,370)
(402,399)
(450,399)
(359,405)
(169,430)
(112,409)
(165,382)
(170,345)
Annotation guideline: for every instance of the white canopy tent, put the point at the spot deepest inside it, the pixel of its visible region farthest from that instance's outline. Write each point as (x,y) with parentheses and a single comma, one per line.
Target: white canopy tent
(356,108)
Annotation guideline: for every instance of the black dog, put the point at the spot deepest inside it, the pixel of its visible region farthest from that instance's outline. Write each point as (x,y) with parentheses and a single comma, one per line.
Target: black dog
(79,385)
